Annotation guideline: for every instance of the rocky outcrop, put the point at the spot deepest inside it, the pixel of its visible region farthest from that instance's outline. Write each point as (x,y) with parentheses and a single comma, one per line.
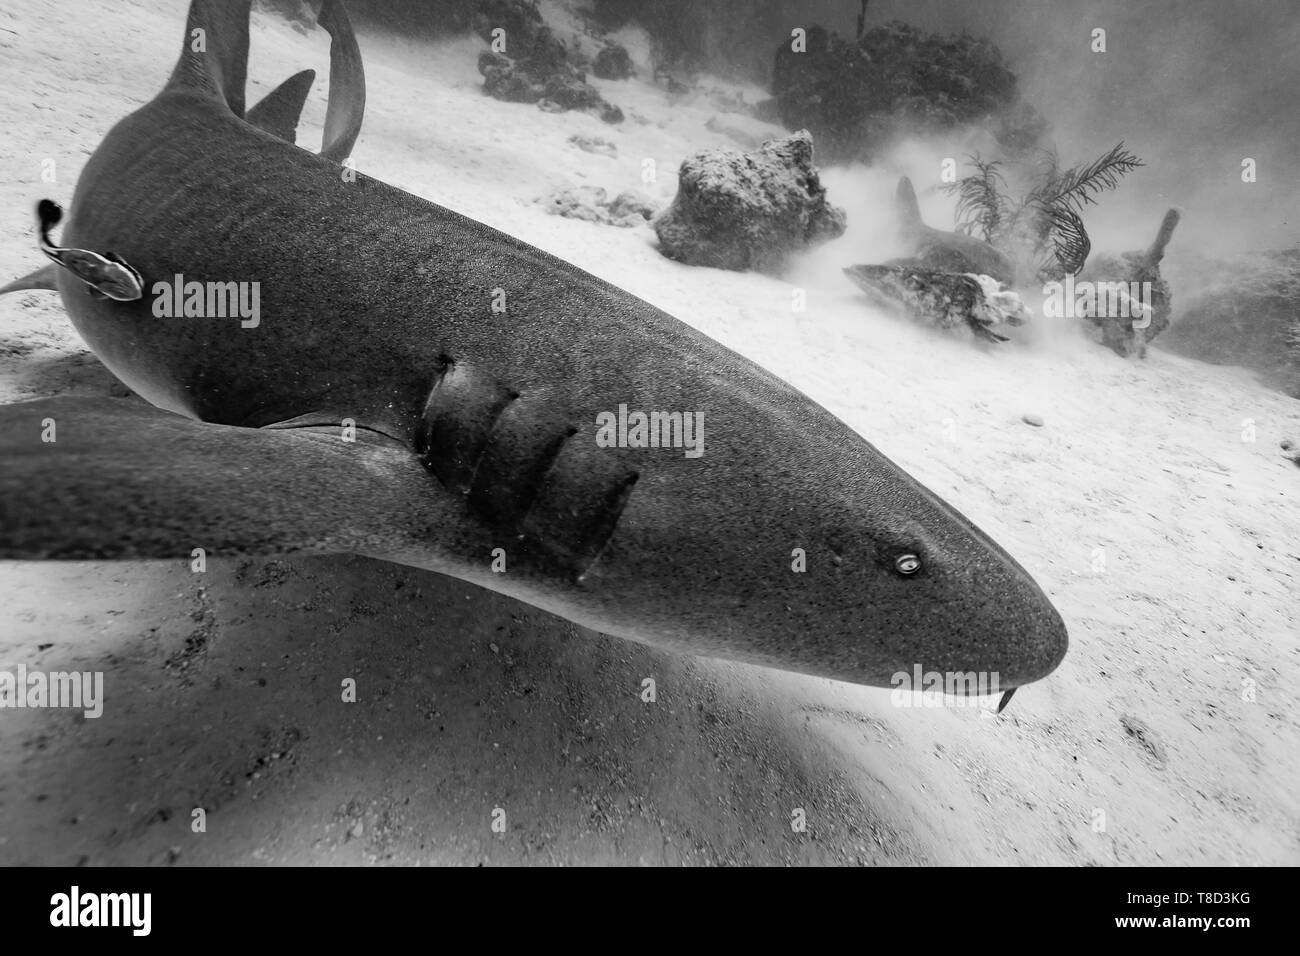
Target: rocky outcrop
(1248,314)
(520,20)
(545,77)
(613,62)
(630,205)
(1140,309)
(591,204)
(737,210)
(597,145)
(856,96)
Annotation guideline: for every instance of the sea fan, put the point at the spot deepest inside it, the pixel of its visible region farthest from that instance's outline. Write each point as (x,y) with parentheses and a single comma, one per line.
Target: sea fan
(981,199)
(1045,228)
(1069,239)
(1080,185)
(1056,205)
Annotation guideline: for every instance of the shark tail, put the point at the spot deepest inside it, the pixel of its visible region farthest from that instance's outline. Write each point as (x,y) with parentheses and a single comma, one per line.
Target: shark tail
(347,107)
(214,63)
(214,54)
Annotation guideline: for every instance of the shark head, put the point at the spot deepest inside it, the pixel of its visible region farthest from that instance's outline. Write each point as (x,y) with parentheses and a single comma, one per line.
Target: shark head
(899,288)
(941,299)
(809,550)
(935,298)
(947,597)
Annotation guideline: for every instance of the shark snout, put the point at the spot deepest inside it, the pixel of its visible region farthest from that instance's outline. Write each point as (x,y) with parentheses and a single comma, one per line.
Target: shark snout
(1011,628)
(1028,637)
(949,598)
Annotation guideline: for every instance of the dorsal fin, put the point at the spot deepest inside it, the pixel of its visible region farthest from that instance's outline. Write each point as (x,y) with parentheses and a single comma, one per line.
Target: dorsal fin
(280,112)
(1157,250)
(214,57)
(347,106)
(909,210)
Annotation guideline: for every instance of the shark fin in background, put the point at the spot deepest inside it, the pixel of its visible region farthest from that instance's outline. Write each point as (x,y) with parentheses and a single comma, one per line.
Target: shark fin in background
(909,208)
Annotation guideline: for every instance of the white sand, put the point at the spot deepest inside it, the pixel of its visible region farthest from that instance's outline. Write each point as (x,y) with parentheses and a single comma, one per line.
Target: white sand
(224,688)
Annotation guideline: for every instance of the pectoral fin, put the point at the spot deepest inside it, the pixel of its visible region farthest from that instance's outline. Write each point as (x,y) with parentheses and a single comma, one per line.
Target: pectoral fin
(94,479)
(44,279)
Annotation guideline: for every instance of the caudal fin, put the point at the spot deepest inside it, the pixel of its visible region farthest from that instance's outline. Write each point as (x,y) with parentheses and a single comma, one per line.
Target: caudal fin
(214,62)
(214,57)
(347,106)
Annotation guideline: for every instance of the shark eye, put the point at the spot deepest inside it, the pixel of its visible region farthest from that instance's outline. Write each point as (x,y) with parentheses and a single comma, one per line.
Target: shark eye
(907,564)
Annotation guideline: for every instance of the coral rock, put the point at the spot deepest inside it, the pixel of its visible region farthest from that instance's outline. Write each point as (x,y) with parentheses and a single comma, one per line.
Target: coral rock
(736,210)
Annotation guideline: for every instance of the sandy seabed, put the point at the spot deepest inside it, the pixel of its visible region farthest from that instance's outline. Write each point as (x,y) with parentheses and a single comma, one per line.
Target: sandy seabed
(1168,736)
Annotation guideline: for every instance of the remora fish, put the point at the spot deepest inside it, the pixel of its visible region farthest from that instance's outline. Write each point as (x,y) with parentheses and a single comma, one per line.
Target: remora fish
(475,431)
(941,299)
